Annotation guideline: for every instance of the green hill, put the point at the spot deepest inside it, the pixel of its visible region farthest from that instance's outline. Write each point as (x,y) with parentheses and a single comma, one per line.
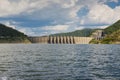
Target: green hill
(10,35)
(113,38)
(77,33)
(114,27)
(112,35)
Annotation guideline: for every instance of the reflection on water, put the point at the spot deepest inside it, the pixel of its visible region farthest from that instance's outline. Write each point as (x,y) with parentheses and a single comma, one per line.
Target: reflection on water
(59,62)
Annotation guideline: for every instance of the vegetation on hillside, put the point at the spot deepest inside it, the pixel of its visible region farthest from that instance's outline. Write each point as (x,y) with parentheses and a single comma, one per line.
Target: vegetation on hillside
(10,35)
(112,28)
(113,38)
(112,35)
(77,33)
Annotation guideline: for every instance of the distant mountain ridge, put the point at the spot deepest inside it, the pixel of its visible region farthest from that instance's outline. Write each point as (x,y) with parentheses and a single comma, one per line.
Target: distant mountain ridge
(10,35)
(78,33)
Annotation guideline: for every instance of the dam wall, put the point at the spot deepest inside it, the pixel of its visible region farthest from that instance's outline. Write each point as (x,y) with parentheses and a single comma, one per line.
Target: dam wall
(82,40)
(43,40)
(60,40)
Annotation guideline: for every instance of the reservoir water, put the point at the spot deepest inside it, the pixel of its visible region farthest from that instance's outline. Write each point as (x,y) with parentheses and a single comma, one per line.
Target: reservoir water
(59,62)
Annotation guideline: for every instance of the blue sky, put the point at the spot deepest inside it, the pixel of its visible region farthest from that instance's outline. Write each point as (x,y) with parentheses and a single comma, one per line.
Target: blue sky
(44,17)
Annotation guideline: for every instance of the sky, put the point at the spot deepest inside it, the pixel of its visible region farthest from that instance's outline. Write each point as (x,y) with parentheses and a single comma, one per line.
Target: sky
(44,17)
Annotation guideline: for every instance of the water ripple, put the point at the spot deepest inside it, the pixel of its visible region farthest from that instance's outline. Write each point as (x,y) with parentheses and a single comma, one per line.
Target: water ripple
(59,62)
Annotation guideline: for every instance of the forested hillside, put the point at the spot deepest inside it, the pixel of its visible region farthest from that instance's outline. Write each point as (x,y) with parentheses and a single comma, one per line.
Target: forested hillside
(113,38)
(78,33)
(10,35)
(114,27)
(112,35)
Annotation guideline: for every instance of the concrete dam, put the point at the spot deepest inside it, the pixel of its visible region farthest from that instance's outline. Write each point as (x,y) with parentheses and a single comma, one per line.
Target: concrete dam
(60,40)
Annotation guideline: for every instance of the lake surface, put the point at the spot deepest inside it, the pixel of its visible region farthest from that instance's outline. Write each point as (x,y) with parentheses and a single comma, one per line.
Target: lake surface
(59,62)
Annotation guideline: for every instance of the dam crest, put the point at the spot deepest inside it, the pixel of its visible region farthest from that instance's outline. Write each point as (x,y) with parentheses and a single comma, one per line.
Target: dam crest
(60,40)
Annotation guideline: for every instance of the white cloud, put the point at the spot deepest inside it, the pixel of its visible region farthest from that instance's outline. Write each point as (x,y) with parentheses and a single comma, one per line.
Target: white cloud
(79,28)
(40,9)
(59,10)
(56,28)
(14,25)
(12,8)
(103,27)
(45,30)
(9,23)
(23,30)
(102,13)
(26,30)
(63,13)
(114,1)
(69,3)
